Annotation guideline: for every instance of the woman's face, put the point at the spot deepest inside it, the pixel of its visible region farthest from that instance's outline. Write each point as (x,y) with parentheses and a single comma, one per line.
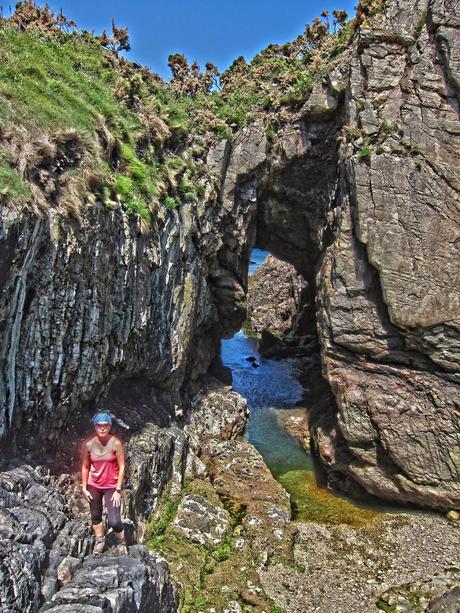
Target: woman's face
(102,429)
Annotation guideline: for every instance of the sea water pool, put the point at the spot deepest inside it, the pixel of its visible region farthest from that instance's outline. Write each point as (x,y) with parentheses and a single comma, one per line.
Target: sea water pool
(270,388)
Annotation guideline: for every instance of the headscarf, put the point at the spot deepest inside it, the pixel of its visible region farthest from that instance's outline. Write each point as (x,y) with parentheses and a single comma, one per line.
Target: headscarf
(102,418)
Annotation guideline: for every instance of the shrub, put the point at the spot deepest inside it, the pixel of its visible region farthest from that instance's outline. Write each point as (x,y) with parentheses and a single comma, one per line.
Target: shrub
(171,203)
(387,128)
(365,153)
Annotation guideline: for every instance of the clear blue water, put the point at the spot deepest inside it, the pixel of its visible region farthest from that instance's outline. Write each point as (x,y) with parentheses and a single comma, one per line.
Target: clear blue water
(270,387)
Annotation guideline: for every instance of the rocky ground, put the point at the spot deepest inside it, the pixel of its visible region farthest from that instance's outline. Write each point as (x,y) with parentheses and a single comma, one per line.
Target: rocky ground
(231,544)
(343,568)
(225,530)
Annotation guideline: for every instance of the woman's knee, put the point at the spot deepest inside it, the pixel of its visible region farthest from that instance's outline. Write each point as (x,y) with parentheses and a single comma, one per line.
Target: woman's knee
(96,512)
(96,519)
(117,527)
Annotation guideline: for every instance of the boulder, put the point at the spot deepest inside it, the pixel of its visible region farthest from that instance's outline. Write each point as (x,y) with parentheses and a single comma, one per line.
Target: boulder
(138,583)
(274,296)
(201,521)
(217,412)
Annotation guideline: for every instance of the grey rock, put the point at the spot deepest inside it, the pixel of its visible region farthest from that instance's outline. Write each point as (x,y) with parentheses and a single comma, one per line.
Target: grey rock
(128,584)
(217,412)
(201,521)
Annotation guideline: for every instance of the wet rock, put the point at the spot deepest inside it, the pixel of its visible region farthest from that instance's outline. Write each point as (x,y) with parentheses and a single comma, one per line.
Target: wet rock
(267,342)
(200,521)
(20,572)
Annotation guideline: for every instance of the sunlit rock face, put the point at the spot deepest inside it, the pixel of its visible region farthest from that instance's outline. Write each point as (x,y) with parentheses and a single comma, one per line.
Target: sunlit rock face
(360,193)
(274,296)
(388,285)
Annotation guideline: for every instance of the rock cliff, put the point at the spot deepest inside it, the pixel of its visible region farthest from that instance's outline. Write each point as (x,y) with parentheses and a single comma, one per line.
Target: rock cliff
(357,189)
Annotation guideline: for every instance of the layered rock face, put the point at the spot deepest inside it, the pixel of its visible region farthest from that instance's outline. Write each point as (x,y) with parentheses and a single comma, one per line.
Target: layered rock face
(90,304)
(359,191)
(388,285)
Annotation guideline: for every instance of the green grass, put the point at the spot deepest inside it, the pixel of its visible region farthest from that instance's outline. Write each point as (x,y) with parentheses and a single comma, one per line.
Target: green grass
(67,82)
(12,186)
(52,84)
(387,128)
(365,153)
(171,203)
(223,551)
(48,84)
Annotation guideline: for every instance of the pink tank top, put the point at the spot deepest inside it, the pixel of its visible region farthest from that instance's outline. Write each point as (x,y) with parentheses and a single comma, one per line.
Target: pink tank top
(103,473)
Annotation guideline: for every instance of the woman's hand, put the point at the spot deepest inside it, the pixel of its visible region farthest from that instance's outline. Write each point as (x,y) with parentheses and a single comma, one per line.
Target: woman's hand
(116,499)
(86,494)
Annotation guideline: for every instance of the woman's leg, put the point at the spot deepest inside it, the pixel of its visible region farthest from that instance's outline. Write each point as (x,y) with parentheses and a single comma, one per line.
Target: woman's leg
(114,516)
(95,506)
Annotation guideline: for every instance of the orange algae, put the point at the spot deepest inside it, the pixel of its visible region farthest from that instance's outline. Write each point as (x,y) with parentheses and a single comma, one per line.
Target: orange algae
(309,502)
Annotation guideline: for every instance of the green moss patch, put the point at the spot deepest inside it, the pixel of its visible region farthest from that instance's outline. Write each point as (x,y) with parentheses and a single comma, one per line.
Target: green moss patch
(209,576)
(312,503)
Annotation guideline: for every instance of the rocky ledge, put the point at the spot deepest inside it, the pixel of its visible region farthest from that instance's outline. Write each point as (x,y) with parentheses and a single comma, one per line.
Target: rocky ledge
(136,583)
(46,540)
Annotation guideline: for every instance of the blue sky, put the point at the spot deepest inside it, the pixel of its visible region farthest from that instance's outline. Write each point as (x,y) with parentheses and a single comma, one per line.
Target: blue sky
(205,30)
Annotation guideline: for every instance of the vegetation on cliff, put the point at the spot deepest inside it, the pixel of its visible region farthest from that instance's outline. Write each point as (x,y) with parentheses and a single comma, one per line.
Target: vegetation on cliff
(82,124)
(210,576)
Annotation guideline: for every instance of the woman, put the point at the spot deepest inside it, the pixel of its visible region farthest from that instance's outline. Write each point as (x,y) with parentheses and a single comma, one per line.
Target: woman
(102,474)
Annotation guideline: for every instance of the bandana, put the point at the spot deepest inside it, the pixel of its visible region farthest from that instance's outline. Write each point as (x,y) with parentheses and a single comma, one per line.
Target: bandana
(102,418)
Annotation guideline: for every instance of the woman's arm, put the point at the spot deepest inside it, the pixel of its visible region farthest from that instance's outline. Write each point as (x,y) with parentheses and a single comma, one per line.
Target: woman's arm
(85,466)
(120,454)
